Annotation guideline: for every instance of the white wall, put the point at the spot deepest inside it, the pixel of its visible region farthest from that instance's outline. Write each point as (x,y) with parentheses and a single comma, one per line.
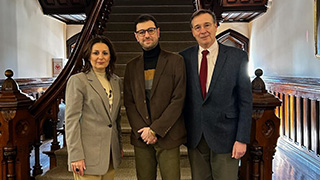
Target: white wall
(282,40)
(73,29)
(29,39)
(8,36)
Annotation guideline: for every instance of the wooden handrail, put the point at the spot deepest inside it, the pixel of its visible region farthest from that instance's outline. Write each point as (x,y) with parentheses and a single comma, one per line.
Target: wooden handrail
(74,64)
(46,107)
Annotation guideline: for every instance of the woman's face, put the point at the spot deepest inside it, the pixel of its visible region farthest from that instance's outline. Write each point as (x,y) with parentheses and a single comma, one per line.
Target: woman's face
(100,57)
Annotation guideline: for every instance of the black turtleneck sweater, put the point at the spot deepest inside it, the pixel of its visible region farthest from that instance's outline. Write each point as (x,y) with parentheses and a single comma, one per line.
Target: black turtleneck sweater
(150,63)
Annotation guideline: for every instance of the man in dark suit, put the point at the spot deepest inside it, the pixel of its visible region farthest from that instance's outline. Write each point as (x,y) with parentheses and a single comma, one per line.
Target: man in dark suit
(218,103)
(154,92)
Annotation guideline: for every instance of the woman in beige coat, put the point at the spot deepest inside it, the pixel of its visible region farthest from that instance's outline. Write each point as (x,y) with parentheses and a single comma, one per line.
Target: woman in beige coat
(93,132)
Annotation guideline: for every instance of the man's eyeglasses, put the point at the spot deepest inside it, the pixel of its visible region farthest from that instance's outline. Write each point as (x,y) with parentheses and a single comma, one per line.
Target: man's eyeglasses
(205,26)
(142,32)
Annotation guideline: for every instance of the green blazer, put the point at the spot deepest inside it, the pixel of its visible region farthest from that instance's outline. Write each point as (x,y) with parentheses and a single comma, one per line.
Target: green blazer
(92,131)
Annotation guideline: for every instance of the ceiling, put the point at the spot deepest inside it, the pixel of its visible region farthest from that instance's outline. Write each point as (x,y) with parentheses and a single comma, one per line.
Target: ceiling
(68,11)
(74,11)
(235,10)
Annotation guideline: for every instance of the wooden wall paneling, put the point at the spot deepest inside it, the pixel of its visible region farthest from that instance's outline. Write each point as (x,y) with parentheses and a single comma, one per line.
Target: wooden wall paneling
(292,112)
(299,107)
(314,125)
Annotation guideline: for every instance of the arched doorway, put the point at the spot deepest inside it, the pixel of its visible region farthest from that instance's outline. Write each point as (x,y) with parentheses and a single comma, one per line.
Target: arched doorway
(233,38)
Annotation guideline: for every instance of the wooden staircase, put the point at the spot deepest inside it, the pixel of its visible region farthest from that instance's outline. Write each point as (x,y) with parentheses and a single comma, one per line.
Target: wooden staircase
(22,118)
(173,19)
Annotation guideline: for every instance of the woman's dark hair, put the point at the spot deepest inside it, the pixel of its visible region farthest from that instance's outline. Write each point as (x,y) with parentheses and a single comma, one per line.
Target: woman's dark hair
(86,53)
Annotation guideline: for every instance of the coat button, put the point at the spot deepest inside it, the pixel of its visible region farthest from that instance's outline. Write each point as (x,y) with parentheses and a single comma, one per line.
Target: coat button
(144,101)
(147,117)
(110,125)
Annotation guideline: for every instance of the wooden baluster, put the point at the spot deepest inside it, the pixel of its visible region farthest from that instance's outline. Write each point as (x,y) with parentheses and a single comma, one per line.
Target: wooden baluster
(257,162)
(17,131)
(54,119)
(53,116)
(37,168)
(9,154)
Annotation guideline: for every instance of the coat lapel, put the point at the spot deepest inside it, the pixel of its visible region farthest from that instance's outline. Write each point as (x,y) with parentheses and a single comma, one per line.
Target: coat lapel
(116,96)
(139,76)
(96,85)
(161,64)
(221,59)
(195,70)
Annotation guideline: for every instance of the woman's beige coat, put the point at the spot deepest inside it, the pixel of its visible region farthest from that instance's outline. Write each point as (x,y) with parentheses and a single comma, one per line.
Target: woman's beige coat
(92,131)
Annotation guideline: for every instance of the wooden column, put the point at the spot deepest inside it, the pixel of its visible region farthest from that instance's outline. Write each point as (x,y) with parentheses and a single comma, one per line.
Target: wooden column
(257,163)
(17,131)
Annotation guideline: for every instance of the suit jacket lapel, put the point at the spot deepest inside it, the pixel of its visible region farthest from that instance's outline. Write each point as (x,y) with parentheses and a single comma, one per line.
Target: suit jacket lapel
(139,75)
(161,64)
(96,85)
(116,98)
(195,70)
(221,59)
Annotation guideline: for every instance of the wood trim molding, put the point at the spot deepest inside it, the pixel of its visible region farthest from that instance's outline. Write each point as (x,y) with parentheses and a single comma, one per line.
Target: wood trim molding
(239,39)
(299,113)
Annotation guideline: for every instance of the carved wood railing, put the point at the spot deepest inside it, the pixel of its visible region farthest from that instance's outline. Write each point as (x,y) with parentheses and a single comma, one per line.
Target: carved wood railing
(17,131)
(257,162)
(34,87)
(299,113)
(46,107)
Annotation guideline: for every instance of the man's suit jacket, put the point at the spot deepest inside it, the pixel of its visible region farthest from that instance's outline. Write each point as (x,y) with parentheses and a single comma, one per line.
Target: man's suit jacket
(92,131)
(166,100)
(224,116)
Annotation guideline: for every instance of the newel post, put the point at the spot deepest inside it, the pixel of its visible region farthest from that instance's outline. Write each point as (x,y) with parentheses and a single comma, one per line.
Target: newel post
(257,163)
(17,131)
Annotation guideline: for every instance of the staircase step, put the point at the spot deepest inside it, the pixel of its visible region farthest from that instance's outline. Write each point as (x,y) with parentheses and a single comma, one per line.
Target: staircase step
(164,17)
(153,8)
(164,36)
(120,69)
(62,157)
(129,162)
(120,174)
(57,173)
(125,57)
(174,46)
(164,26)
(130,174)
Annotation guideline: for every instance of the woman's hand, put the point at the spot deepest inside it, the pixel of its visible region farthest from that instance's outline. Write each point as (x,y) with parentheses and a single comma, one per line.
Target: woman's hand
(78,167)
